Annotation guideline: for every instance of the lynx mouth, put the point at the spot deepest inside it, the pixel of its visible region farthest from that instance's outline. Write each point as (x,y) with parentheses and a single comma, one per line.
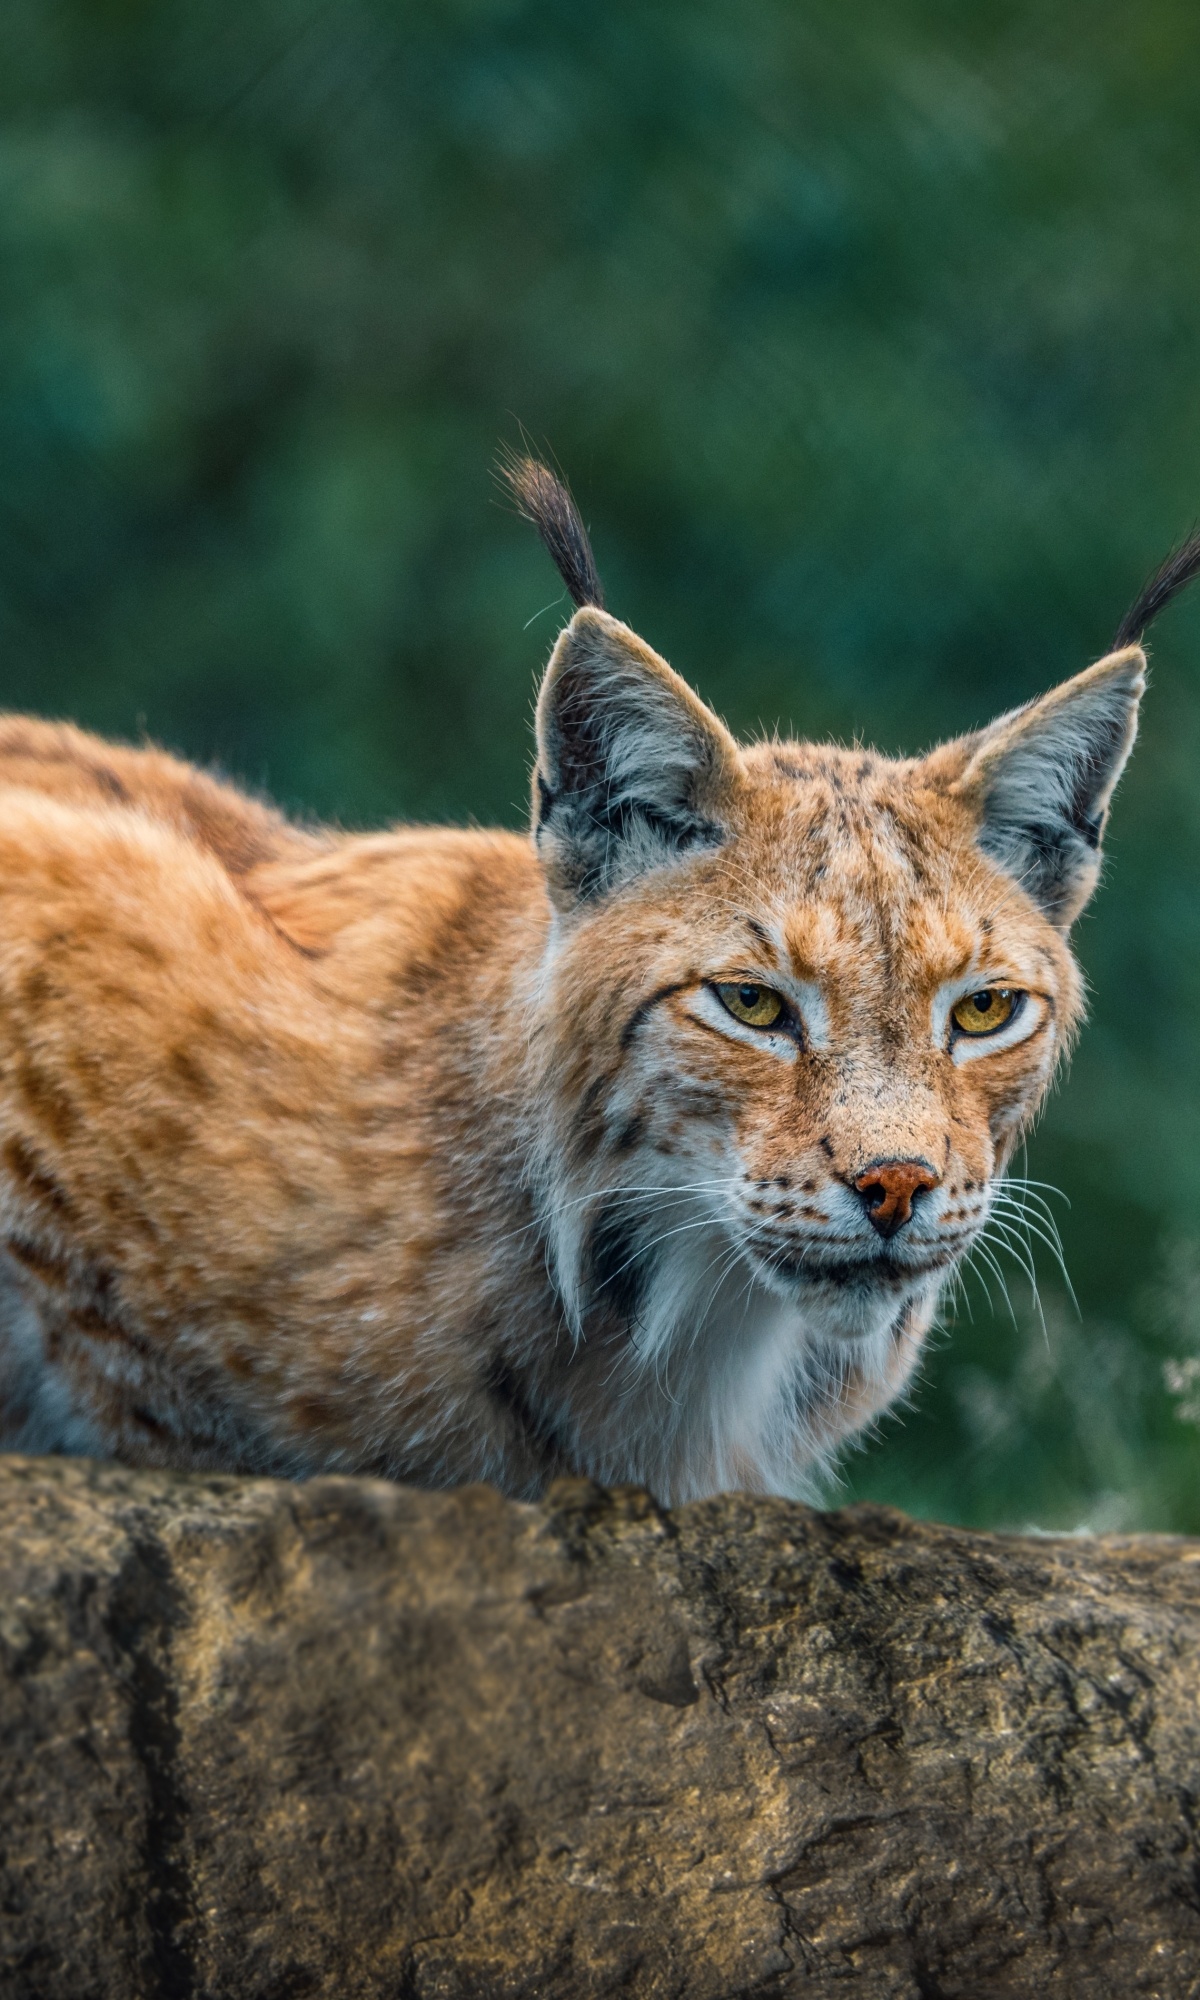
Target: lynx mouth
(856,1273)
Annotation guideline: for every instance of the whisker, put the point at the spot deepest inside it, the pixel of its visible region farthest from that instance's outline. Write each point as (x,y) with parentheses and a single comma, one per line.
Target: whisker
(1036,1218)
(620,1190)
(957,1293)
(644,1249)
(1023,1181)
(981,1250)
(1026,1204)
(969,1264)
(1006,1204)
(1035,1224)
(1006,1238)
(1054,1245)
(1022,1255)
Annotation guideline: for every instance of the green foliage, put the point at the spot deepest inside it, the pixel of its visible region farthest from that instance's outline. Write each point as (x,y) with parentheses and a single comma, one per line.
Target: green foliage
(867,338)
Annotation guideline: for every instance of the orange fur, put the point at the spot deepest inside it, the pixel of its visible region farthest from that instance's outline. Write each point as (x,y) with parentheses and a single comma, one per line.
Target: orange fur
(431,1154)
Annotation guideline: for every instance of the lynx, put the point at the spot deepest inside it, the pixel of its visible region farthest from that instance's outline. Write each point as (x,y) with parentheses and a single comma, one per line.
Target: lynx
(640,1146)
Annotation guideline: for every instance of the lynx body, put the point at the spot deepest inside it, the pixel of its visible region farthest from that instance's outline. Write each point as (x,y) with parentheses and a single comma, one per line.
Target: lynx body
(640,1147)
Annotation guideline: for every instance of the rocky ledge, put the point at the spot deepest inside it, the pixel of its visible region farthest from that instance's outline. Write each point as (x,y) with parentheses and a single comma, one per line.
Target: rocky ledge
(346,1739)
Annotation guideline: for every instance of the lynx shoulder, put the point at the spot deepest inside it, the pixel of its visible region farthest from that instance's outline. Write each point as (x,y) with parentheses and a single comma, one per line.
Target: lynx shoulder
(640,1146)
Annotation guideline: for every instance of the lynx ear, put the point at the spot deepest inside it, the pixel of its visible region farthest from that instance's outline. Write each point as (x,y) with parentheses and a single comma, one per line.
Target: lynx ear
(632,767)
(1041,780)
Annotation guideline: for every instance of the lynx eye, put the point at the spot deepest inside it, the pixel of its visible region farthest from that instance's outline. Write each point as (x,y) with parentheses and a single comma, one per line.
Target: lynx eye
(983,1012)
(757,1006)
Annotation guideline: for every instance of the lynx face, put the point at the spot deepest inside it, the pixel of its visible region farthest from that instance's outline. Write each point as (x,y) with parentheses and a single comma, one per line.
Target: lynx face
(800,1005)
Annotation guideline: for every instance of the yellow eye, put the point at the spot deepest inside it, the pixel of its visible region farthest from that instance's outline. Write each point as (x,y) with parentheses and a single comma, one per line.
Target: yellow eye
(757,1006)
(983,1012)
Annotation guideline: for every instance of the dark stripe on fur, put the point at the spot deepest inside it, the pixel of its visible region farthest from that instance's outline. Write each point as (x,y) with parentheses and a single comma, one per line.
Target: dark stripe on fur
(617,1265)
(646,1006)
(506,1388)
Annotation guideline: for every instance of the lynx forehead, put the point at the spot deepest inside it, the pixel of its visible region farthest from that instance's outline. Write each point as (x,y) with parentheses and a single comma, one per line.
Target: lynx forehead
(641,1146)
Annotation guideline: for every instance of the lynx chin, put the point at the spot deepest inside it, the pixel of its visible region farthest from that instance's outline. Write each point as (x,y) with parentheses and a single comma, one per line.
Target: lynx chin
(640,1146)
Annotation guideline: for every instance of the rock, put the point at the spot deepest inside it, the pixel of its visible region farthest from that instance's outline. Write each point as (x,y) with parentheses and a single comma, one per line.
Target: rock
(264,1740)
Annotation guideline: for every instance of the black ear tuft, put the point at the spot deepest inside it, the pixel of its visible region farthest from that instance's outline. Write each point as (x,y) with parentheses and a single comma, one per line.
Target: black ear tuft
(1168,580)
(542,498)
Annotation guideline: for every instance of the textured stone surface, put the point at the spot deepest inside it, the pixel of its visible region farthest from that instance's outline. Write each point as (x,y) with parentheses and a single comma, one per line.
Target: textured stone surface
(351,1740)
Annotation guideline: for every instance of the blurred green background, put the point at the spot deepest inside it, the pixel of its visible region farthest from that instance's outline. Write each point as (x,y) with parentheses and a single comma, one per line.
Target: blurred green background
(869,338)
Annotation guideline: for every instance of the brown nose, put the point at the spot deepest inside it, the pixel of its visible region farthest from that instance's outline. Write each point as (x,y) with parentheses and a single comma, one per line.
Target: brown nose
(889,1189)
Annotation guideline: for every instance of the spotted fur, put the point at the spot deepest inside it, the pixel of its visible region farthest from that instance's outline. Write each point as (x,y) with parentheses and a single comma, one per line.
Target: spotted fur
(438,1155)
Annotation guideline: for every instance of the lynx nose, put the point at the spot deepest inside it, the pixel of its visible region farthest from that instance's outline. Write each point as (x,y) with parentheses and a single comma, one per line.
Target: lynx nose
(889,1189)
